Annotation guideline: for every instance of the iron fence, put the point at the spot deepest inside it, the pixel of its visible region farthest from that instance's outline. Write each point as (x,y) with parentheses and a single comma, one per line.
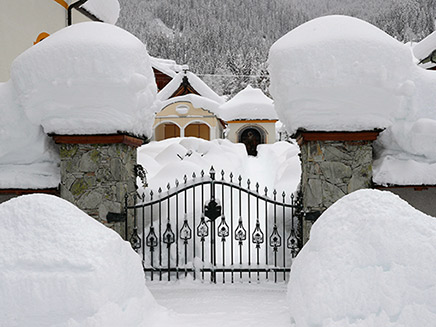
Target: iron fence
(217,230)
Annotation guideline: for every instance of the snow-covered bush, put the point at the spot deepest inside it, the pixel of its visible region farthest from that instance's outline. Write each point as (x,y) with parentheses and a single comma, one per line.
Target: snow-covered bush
(370,261)
(60,267)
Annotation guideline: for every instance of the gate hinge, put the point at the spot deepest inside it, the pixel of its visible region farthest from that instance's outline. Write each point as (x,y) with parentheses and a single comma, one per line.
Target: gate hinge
(113,217)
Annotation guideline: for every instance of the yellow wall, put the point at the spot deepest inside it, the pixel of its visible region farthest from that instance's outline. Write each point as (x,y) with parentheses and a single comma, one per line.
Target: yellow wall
(194,115)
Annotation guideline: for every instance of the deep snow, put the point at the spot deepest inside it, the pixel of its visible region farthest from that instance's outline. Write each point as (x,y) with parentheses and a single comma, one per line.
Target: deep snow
(60,267)
(370,261)
(88,78)
(338,73)
(277,166)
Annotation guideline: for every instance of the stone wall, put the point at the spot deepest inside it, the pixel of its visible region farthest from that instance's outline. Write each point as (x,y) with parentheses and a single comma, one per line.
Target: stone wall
(96,178)
(330,170)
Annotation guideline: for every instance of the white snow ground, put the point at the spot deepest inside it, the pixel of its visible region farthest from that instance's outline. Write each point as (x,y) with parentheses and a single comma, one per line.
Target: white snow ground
(232,305)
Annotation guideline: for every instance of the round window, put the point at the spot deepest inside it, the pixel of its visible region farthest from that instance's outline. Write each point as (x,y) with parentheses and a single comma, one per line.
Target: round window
(182,109)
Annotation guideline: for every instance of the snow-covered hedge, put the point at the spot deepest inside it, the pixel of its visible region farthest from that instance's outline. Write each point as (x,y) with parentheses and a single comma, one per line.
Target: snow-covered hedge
(370,261)
(60,267)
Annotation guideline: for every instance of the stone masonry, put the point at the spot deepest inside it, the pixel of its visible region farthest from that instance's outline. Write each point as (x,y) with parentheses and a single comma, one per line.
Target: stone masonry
(331,169)
(96,178)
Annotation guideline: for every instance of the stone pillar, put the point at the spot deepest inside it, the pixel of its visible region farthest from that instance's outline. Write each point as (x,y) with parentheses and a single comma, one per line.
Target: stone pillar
(97,171)
(333,164)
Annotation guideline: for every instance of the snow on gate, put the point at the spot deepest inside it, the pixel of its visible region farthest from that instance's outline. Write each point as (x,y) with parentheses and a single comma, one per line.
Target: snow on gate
(217,230)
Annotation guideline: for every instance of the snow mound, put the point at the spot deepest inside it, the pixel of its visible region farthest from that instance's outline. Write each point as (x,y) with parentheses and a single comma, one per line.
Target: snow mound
(339,73)
(250,103)
(106,10)
(276,166)
(60,267)
(88,78)
(28,158)
(370,261)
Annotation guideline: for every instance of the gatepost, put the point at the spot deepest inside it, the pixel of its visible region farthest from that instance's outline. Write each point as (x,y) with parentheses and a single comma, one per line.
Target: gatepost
(333,164)
(97,172)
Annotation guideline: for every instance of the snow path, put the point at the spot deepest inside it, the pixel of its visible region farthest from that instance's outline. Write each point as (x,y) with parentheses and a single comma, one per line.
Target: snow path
(244,305)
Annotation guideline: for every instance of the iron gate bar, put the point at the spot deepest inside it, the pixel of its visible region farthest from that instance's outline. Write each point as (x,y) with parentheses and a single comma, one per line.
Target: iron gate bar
(256,236)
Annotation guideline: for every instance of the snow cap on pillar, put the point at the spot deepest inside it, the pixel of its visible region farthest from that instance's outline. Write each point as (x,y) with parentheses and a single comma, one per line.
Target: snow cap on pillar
(338,73)
(88,78)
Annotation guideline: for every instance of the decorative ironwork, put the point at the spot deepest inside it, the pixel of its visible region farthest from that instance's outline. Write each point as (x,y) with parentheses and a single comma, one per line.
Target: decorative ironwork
(275,219)
(135,240)
(223,229)
(275,241)
(202,229)
(168,236)
(185,231)
(212,210)
(142,174)
(257,235)
(292,244)
(151,239)
(240,232)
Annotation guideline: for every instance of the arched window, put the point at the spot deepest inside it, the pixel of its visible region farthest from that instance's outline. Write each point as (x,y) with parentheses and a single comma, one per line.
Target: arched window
(199,130)
(166,131)
(251,137)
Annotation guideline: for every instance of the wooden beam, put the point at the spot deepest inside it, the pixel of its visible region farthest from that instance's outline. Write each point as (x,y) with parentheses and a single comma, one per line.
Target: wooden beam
(337,136)
(16,191)
(98,139)
(415,187)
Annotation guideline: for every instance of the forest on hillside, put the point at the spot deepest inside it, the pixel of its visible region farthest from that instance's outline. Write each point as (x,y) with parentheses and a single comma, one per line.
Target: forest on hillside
(226,42)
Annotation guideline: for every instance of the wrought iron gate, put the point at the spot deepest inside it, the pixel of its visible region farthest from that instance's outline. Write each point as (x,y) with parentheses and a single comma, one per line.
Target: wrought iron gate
(217,230)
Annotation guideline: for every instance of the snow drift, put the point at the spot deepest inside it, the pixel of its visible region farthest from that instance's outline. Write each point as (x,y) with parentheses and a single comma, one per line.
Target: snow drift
(28,158)
(88,78)
(338,73)
(60,267)
(370,261)
(276,165)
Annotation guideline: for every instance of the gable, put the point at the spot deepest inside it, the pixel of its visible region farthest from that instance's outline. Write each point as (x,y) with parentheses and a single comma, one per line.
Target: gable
(184,88)
(162,79)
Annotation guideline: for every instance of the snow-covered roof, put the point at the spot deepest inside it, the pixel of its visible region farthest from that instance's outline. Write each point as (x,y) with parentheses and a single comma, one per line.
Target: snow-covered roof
(88,78)
(107,11)
(251,104)
(166,66)
(338,73)
(423,49)
(199,86)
